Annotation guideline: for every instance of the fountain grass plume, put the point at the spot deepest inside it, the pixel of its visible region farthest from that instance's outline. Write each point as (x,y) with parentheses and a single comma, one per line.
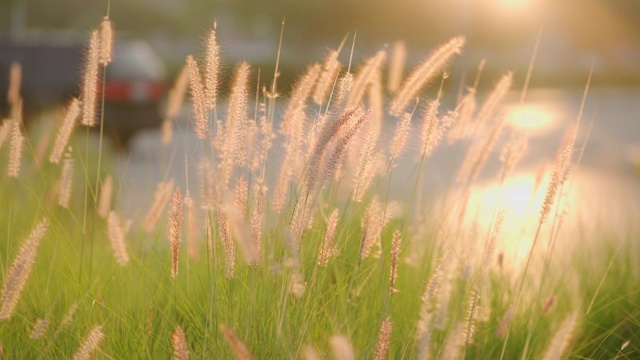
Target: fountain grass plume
(116,236)
(90,80)
(17,275)
(180,347)
(90,344)
(239,349)
(198,97)
(174,230)
(65,131)
(425,72)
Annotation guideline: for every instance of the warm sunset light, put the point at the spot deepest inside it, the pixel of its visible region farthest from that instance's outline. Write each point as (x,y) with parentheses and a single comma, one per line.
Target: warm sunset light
(332,179)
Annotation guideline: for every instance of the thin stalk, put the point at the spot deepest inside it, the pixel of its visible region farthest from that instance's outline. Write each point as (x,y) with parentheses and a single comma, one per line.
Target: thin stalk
(557,223)
(519,293)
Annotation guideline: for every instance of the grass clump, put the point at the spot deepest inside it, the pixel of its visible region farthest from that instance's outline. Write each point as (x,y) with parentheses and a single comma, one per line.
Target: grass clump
(296,244)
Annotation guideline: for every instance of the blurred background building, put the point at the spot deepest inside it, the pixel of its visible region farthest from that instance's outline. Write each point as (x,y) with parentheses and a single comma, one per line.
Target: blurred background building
(575,33)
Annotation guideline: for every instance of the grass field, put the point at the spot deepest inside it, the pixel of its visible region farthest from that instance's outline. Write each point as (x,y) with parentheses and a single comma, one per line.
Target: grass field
(299,252)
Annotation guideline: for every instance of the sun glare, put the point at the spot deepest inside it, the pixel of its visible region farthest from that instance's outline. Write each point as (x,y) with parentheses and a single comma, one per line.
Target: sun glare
(519,196)
(521,200)
(515,4)
(532,118)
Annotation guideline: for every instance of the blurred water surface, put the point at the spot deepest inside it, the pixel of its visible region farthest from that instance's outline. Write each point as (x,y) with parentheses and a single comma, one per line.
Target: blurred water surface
(603,190)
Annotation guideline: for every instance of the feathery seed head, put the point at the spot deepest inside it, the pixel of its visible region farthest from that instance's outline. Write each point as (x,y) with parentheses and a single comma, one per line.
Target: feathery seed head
(174,103)
(372,224)
(368,167)
(329,131)
(562,338)
(66,182)
(471,316)
(424,333)
(365,78)
(238,227)
(396,67)
(425,72)
(241,194)
(294,128)
(436,278)
(16,146)
(297,103)
(90,344)
(478,153)
(64,133)
(236,127)
(560,171)
(341,348)
(400,136)
(327,250)
(212,69)
(177,93)
(503,327)
(174,230)
(454,342)
(180,348)
(395,252)
(342,145)
(163,193)
(239,349)
(512,153)
(116,236)
(344,88)
(67,318)
(264,139)
(90,81)
(206,178)
(375,102)
(310,353)
(106,41)
(326,79)
(466,108)
(229,245)
(39,328)
(433,128)
(625,344)
(494,99)
(106,194)
(198,98)
(384,339)
(257,220)
(17,275)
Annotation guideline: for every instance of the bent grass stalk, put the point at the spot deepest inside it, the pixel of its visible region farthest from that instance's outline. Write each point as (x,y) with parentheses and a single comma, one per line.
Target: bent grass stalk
(562,163)
(557,223)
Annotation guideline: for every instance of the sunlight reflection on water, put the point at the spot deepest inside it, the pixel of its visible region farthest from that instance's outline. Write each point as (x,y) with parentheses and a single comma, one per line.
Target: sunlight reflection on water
(521,198)
(533,118)
(600,201)
(603,204)
(593,206)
